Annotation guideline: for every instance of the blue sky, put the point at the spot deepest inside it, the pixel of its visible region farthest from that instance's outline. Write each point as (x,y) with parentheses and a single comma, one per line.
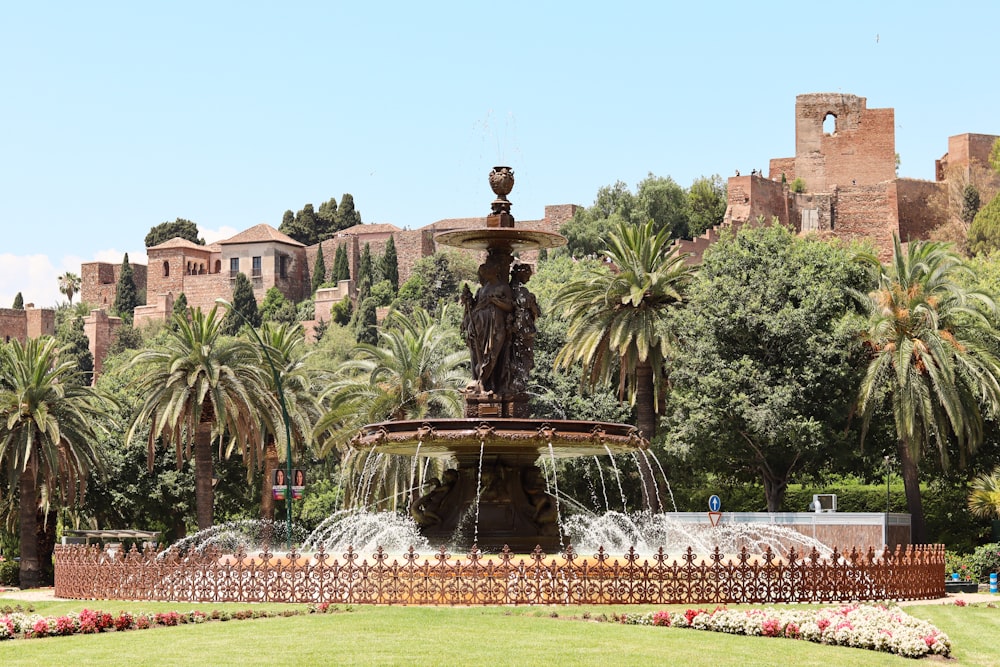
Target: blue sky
(115,117)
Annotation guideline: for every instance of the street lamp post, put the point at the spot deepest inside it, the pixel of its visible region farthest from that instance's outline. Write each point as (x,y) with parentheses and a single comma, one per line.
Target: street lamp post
(284,416)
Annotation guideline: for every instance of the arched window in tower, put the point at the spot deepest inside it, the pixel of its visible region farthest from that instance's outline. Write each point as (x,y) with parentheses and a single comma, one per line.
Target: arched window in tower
(218,266)
(830,124)
(166,269)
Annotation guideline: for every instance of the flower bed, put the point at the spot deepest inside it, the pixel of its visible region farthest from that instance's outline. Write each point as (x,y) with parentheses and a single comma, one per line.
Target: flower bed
(26,625)
(873,627)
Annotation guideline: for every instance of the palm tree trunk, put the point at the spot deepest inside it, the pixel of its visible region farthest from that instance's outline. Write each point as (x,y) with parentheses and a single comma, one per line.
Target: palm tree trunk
(31,576)
(270,465)
(203,491)
(45,541)
(911,484)
(645,408)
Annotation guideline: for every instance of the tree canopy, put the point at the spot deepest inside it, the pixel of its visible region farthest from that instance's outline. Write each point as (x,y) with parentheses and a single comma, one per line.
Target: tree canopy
(244,308)
(762,374)
(984,234)
(165,231)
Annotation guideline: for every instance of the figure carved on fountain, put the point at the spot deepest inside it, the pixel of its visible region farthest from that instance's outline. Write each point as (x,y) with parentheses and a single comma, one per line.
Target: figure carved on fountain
(427,509)
(522,343)
(544,512)
(486,325)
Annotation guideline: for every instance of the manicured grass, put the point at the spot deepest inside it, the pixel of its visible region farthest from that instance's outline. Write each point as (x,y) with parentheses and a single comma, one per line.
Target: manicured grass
(488,636)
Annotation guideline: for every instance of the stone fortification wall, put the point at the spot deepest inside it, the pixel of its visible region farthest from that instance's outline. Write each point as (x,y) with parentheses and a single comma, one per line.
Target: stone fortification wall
(100,329)
(868,213)
(28,323)
(782,166)
(917,215)
(98,281)
(861,150)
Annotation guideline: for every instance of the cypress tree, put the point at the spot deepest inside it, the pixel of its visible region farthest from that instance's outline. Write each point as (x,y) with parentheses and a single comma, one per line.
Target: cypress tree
(346,215)
(75,345)
(364,278)
(326,219)
(367,329)
(319,270)
(243,303)
(390,265)
(126,294)
(18,302)
(180,305)
(341,266)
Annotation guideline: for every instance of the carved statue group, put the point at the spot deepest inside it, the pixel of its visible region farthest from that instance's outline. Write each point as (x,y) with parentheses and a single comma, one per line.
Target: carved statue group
(499,326)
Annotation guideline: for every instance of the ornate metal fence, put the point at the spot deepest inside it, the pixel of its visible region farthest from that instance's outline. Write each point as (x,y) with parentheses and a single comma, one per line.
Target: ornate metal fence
(913,573)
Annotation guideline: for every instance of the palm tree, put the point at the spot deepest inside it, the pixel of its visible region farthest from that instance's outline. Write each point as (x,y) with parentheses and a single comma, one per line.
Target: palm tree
(616,319)
(929,355)
(48,432)
(285,343)
(200,387)
(984,501)
(416,372)
(69,284)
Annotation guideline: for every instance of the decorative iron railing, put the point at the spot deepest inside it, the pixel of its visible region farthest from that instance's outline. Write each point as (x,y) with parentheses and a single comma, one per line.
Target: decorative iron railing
(913,573)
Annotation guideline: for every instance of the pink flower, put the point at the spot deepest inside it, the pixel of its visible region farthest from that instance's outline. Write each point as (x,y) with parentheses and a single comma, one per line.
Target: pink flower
(770,627)
(662,619)
(792,631)
(959,602)
(40,628)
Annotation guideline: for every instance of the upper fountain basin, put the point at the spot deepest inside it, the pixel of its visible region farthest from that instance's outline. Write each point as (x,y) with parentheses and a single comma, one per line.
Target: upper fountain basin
(448,437)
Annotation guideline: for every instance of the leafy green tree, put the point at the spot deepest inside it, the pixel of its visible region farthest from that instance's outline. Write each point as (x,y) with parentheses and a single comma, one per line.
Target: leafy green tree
(319,270)
(931,359)
(341,266)
(244,307)
(274,301)
(75,346)
(199,387)
(663,201)
(165,231)
(346,214)
(706,200)
(69,284)
(616,320)
(390,265)
(126,294)
(994,158)
(970,203)
(18,302)
(126,337)
(342,311)
(303,226)
(586,231)
(764,370)
(984,234)
(48,427)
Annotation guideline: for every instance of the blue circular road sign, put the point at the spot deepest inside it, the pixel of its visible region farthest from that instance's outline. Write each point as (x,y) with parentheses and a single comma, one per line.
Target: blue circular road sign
(714,503)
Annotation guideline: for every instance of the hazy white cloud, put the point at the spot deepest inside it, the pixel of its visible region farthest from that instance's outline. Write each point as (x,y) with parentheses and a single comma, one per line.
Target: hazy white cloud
(36,277)
(220,234)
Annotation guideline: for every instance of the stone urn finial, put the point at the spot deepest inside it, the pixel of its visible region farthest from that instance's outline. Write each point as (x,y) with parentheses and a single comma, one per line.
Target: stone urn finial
(502,182)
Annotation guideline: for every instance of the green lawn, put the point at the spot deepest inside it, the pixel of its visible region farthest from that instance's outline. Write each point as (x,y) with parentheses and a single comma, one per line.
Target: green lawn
(476,636)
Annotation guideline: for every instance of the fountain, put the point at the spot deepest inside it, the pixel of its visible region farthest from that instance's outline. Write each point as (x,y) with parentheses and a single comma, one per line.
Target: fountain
(496,499)
(496,495)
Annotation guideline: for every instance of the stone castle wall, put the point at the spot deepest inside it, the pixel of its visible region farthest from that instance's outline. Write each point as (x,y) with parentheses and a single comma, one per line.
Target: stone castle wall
(28,323)
(99,280)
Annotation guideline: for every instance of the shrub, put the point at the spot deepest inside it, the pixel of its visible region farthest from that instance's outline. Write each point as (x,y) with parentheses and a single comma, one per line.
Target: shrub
(798,185)
(984,560)
(9,573)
